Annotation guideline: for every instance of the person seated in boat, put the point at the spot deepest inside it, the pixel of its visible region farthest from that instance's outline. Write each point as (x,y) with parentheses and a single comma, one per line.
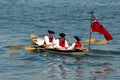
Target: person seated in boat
(77,45)
(49,40)
(61,42)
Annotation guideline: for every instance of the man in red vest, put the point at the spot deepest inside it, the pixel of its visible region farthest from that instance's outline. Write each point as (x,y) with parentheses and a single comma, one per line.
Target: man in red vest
(77,45)
(49,40)
(61,42)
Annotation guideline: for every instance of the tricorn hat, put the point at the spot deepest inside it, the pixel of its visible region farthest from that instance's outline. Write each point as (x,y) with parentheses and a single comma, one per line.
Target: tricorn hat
(62,35)
(77,38)
(52,32)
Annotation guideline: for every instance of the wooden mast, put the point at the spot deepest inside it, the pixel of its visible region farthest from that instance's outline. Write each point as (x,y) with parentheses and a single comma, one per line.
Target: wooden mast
(90,29)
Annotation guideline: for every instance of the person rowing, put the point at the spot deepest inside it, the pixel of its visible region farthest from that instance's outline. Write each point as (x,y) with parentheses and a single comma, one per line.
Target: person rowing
(61,42)
(77,45)
(49,40)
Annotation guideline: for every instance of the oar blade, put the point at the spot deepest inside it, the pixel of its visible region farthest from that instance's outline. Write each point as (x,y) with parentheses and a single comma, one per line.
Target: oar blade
(102,42)
(91,40)
(29,48)
(15,47)
(24,47)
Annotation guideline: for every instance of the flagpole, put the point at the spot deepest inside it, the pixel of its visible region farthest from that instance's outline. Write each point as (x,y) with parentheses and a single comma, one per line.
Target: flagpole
(90,29)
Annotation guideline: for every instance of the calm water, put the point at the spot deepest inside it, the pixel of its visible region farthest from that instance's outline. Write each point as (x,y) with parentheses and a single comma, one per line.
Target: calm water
(20,18)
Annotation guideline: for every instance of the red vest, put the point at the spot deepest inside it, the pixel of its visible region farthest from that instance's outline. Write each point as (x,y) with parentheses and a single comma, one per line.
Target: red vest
(78,44)
(50,38)
(61,42)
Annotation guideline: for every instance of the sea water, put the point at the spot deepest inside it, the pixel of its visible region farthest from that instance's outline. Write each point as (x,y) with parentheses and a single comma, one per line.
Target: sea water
(20,18)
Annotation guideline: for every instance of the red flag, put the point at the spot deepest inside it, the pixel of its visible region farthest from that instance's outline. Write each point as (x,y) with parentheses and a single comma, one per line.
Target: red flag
(105,32)
(96,27)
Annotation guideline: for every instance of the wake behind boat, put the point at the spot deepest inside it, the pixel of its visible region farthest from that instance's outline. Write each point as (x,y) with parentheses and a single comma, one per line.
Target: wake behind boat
(39,42)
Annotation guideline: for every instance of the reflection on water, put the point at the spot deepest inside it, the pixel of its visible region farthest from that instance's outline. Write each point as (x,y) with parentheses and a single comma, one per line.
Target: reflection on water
(61,73)
(79,72)
(60,67)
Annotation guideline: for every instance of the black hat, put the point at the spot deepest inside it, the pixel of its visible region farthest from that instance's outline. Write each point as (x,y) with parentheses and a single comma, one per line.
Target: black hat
(52,32)
(77,38)
(62,35)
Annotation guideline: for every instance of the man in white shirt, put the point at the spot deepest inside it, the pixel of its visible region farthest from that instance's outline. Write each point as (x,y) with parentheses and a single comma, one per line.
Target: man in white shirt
(49,40)
(61,42)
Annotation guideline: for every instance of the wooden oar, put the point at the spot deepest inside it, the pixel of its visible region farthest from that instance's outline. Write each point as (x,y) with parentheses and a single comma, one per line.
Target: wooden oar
(87,41)
(25,47)
(91,40)
(102,42)
(29,48)
(18,47)
(15,47)
(33,48)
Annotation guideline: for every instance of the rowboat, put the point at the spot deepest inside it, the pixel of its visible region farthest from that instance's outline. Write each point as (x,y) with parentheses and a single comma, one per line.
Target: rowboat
(39,41)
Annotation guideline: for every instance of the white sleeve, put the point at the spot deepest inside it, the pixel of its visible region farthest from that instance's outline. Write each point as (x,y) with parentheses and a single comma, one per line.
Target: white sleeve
(71,47)
(54,41)
(57,44)
(66,43)
(47,40)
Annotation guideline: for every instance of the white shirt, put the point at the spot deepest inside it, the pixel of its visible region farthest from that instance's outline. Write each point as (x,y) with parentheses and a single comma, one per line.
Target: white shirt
(58,46)
(46,38)
(72,46)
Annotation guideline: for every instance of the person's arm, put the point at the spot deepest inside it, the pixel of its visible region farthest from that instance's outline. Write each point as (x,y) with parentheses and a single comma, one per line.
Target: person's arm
(47,40)
(71,47)
(57,44)
(66,44)
(54,41)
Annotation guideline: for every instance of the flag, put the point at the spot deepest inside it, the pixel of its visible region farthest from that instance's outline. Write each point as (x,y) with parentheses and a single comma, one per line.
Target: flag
(97,27)
(105,32)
